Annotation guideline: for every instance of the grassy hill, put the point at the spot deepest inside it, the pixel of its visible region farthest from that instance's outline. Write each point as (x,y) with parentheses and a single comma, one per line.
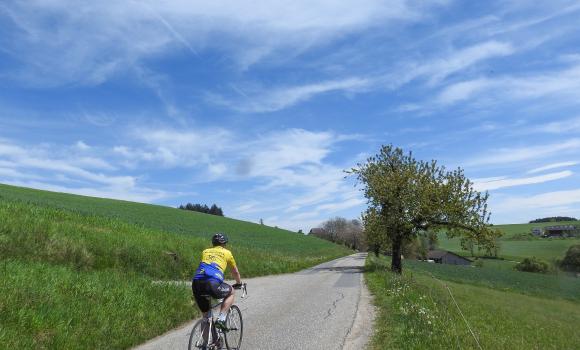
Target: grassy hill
(517,243)
(241,233)
(79,270)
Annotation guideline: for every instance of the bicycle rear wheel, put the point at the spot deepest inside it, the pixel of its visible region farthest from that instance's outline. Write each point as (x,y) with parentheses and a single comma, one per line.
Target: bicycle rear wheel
(199,335)
(234,328)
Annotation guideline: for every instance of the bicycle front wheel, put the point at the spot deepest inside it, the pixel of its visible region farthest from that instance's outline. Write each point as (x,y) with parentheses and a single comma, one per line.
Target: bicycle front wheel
(199,336)
(234,328)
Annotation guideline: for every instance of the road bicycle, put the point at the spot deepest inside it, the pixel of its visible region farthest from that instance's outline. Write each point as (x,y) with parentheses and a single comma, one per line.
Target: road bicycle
(206,336)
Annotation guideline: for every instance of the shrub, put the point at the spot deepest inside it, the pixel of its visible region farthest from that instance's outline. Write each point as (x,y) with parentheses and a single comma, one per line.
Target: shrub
(533,265)
(571,261)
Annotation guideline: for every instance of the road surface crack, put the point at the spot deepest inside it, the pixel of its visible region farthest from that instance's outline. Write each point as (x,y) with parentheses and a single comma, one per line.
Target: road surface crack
(333,307)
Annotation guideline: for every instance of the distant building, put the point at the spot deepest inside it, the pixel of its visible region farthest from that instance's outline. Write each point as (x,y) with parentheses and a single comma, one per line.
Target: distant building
(317,231)
(445,257)
(562,231)
(537,231)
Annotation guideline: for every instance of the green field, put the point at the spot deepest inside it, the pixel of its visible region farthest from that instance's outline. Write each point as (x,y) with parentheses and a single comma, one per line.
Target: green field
(544,248)
(241,233)
(416,310)
(81,269)
(515,230)
(517,243)
(534,284)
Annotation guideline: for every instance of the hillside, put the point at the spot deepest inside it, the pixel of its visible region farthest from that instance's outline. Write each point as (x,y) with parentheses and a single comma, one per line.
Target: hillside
(80,270)
(517,242)
(241,233)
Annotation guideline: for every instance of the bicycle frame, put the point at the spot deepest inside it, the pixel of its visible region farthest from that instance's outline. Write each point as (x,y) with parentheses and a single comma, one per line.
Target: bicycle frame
(211,328)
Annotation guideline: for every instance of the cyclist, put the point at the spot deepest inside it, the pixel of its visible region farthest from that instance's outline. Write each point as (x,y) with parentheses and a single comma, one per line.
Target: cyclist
(209,278)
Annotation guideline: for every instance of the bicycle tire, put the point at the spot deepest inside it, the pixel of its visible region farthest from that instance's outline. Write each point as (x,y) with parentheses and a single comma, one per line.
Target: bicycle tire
(196,337)
(235,328)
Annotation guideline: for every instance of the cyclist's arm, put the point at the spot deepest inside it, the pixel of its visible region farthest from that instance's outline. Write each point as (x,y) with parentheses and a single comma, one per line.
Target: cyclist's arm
(236,275)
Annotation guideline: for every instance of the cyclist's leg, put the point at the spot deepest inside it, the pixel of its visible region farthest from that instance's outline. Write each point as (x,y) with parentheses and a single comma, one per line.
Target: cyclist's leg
(223,291)
(228,302)
(201,289)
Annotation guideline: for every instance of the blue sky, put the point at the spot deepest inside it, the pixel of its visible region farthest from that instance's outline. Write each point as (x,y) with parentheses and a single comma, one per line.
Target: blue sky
(259,107)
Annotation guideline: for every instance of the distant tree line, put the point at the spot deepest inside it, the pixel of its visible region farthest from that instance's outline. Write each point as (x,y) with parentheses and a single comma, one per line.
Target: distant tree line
(342,231)
(553,219)
(202,208)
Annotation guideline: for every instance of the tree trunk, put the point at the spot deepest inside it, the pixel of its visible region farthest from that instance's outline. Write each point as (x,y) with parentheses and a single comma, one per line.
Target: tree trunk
(376,250)
(397,249)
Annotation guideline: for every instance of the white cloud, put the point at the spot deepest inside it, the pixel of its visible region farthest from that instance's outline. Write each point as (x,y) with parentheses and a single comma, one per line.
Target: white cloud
(333,207)
(70,41)
(54,168)
(142,195)
(177,148)
(543,200)
(435,70)
(462,91)
(561,127)
(494,184)
(517,154)
(467,57)
(289,168)
(82,146)
(553,166)
(282,97)
(560,84)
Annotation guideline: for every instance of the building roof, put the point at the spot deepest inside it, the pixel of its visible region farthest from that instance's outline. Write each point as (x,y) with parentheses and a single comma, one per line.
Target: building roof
(317,230)
(438,254)
(560,227)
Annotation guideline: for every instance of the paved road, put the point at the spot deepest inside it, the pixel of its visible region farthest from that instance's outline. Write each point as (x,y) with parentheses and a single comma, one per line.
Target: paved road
(324,307)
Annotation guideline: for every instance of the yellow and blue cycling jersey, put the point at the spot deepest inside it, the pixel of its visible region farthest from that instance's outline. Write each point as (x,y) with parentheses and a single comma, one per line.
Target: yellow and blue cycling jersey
(213,263)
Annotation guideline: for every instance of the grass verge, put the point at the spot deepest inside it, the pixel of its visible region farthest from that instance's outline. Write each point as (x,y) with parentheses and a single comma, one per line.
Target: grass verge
(57,307)
(417,312)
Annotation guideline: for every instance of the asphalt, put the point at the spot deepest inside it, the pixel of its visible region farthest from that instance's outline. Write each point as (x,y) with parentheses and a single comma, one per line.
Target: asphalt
(324,307)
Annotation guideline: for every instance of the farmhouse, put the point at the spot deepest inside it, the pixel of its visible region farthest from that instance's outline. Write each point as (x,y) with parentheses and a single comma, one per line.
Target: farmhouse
(317,231)
(561,231)
(445,257)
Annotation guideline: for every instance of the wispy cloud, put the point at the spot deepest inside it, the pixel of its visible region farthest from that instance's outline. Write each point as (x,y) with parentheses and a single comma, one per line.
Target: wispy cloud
(543,200)
(517,154)
(438,69)
(434,71)
(560,84)
(142,195)
(175,148)
(53,37)
(494,184)
(270,100)
(553,166)
(522,208)
(44,168)
(289,167)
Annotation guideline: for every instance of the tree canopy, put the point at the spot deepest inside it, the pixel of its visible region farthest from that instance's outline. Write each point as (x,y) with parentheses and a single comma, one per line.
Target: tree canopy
(409,197)
(553,219)
(342,231)
(203,208)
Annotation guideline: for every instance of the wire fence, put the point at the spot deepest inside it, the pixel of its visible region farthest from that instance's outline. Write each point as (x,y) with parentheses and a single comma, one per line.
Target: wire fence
(459,309)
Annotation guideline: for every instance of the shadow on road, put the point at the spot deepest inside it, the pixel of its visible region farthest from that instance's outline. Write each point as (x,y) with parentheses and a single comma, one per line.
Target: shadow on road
(341,269)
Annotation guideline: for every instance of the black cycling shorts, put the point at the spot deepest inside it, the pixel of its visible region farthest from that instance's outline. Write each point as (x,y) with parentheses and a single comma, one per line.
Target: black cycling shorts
(204,289)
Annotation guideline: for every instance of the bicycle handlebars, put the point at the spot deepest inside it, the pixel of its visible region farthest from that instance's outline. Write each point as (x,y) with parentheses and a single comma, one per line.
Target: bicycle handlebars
(243,287)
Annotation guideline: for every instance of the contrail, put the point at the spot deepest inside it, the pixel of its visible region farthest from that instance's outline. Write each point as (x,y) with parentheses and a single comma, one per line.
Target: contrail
(169,27)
